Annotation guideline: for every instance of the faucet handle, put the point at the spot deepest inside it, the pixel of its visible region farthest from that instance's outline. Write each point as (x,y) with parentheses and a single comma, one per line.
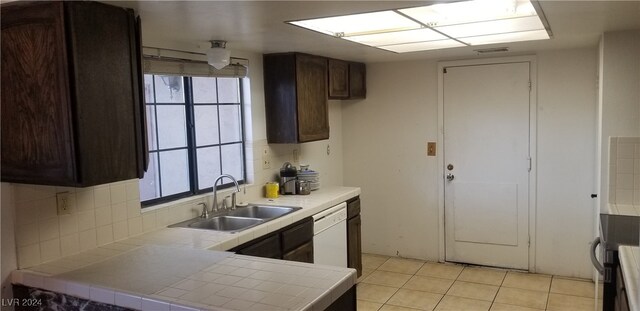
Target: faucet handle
(225,206)
(233,200)
(205,212)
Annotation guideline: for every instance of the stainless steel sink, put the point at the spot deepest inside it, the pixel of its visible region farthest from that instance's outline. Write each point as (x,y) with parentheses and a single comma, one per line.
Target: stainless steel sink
(226,223)
(262,211)
(239,219)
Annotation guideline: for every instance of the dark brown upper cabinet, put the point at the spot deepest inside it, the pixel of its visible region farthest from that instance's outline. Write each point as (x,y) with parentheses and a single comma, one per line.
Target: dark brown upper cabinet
(295,87)
(72,111)
(338,79)
(347,80)
(357,81)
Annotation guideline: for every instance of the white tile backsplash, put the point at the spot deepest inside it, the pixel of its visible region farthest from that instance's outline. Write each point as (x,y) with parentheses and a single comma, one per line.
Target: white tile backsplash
(102,196)
(70,244)
(86,220)
(88,239)
(50,250)
(103,216)
(84,200)
(135,225)
(624,175)
(112,212)
(118,193)
(49,229)
(68,224)
(104,235)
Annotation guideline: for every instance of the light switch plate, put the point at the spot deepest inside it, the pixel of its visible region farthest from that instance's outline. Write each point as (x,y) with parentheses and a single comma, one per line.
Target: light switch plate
(62,200)
(431,149)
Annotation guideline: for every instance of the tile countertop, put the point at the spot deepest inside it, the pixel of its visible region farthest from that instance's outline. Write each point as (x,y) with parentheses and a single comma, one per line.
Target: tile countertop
(630,263)
(624,209)
(186,269)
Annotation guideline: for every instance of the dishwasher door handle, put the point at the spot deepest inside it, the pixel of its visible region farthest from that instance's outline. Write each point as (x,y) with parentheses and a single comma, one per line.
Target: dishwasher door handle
(594,259)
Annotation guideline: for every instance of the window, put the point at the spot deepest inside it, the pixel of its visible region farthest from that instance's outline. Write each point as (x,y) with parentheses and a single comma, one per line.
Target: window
(195,133)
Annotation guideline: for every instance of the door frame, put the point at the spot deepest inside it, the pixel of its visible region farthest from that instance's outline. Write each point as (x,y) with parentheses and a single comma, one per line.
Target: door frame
(533,122)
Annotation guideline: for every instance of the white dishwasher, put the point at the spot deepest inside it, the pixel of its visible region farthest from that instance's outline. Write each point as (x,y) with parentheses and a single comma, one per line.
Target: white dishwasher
(330,236)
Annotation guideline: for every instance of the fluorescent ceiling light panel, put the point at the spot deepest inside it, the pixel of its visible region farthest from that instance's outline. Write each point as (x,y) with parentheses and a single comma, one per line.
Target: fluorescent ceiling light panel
(359,24)
(492,27)
(470,11)
(507,37)
(398,37)
(446,25)
(422,46)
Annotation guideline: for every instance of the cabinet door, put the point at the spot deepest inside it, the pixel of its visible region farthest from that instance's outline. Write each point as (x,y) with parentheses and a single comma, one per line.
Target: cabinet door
(353,207)
(267,248)
(37,136)
(346,302)
(104,89)
(357,80)
(311,88)
(338,79)
(297,234)
(354,244)
(303,253)
(142,145)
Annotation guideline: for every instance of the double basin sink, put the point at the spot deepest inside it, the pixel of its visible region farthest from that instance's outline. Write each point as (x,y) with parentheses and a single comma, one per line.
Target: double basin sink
(238,219)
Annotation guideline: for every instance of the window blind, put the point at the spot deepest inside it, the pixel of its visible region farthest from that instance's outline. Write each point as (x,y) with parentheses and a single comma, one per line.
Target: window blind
(171,62)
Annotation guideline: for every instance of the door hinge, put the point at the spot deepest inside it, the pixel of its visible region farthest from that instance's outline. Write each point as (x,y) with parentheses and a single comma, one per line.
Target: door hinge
(529,241)
(444,70)
(529,169)
(529,86)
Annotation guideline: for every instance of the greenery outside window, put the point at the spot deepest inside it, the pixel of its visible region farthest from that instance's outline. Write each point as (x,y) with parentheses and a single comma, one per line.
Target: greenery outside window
(195,133)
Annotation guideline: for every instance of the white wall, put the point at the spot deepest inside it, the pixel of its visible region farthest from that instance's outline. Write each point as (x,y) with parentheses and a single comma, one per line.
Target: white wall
(567,108)
(385,139)
(619,100)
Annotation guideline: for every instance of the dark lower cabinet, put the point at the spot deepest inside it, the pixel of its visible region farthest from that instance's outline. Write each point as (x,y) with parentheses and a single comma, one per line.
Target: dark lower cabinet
(303,253)
(266,247)
(294,243)
(346,302)
(354,235)
(621,300)
(72,111)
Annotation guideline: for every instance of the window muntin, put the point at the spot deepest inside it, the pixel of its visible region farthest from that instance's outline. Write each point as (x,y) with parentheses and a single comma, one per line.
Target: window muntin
(195,132)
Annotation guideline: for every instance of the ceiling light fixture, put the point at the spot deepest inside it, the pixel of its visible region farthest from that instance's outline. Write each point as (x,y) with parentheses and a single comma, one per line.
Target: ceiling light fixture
(218,56)
(438,26)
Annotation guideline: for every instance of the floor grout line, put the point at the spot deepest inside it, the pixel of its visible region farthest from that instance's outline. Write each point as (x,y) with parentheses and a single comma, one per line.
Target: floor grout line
(457,279)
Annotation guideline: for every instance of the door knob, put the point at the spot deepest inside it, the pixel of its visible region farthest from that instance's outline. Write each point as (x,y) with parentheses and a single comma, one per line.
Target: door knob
(450,177)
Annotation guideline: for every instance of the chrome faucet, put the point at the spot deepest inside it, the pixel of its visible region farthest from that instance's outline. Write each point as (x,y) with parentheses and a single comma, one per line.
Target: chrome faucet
(214,207)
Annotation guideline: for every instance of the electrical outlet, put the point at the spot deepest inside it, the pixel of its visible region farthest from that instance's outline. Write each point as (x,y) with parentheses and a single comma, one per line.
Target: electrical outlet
(296,155)
(266,163)
(62,200)
(266,158)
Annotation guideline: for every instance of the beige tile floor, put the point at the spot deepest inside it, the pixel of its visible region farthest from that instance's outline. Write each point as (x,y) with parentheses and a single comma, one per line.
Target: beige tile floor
(403,284)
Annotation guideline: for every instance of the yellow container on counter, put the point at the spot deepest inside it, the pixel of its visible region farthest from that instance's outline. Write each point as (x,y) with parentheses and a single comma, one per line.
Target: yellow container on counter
(271,190)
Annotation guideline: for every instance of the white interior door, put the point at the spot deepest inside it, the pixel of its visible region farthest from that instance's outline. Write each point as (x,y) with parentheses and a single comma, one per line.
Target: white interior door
(487,164)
